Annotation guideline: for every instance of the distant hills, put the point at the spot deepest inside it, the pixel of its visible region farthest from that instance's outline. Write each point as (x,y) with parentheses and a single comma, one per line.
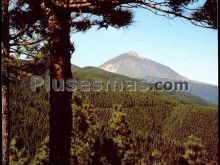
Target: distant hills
(135,66)
(95,73)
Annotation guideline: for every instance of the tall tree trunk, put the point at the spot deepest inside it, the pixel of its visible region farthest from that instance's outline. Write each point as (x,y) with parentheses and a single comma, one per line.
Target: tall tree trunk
(5,85)
(60,101)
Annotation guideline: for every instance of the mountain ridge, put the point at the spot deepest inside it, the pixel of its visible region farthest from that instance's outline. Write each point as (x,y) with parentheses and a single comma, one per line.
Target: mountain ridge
(133,65)
(95,73)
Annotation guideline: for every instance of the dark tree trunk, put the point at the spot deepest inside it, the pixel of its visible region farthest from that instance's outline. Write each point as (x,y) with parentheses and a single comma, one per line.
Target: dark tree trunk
(60,101)
(5,83)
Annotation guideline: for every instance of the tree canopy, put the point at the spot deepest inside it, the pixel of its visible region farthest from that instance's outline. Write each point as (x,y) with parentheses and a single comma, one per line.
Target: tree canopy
(102,13)
(118,13)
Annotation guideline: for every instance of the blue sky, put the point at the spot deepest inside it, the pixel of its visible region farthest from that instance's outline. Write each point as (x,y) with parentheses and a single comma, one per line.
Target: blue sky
(189,50)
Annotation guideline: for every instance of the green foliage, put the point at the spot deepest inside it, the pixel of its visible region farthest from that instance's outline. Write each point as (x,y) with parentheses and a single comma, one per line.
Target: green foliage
(84,134)
(113,127)
(120,134)
(156,158)
(194,152)
(29,118)
(189,98)
(200,121)
(94,74)
(42,154)
(17,154)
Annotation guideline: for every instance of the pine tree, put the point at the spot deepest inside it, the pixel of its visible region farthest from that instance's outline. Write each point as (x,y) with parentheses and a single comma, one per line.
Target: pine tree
(84,135)
(15,32)
(5,85)
(63,15)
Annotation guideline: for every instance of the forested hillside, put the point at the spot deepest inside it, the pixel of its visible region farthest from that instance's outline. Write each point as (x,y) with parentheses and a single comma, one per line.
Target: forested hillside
(93,73)
(115,128)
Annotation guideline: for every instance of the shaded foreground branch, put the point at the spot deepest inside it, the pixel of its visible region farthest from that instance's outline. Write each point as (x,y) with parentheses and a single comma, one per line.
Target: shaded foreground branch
(203,16)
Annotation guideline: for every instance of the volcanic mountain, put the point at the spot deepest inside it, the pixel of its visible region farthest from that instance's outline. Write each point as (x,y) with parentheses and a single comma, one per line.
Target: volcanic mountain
(135,66)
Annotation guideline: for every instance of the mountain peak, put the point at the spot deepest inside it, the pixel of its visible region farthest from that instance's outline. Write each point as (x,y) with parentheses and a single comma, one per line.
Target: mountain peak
(133,65)
(134,54)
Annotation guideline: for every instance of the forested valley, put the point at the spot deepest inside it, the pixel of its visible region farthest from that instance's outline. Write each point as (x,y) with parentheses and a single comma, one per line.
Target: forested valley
(115,127)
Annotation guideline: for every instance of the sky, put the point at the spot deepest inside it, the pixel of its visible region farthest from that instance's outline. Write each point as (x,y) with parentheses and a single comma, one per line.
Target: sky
(189,50)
